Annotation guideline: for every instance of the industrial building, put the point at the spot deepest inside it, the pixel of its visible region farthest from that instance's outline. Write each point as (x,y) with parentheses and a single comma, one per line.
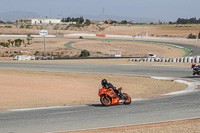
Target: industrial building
(33,21)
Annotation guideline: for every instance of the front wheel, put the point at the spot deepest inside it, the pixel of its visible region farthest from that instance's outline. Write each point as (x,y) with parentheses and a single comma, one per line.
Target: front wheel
(105,100)
(127,99)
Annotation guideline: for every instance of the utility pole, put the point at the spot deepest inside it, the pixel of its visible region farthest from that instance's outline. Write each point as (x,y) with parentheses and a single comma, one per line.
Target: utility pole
(60,16)
(44,46)
(133,44)
(103,18)
(43,33)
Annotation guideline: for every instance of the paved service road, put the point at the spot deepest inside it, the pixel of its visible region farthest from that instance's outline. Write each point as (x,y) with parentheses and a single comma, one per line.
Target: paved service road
(180,107)
(188,46)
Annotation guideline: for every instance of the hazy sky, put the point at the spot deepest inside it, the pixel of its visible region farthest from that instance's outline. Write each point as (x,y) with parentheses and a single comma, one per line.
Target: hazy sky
(168,10)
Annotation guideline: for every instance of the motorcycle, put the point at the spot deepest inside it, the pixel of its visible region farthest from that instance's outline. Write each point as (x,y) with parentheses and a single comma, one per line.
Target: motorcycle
(109,97)
(196,70)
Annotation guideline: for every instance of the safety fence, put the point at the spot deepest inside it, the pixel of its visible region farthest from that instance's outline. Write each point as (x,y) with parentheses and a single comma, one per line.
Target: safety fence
(183,59)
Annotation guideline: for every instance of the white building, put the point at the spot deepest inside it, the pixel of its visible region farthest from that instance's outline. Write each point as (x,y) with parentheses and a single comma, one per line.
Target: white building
(33,21)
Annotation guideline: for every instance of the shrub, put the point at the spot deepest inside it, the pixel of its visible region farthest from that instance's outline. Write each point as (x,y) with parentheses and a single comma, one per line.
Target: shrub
(2,43)
(8,26)
(85,53)
(37,53)
(66,56)
(48,53)
(199,35)
(99,52)
(191,36)
(21,26)
(28,26)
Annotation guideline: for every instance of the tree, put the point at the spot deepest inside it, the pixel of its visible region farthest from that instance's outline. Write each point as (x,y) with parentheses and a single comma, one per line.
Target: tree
(2,22)
(123,22)
(9,41)
(81,20)
(18,42)
(192,20)
(87,22)
(7,45)
(69,19)
(2,43)
(12,42)
(28,38)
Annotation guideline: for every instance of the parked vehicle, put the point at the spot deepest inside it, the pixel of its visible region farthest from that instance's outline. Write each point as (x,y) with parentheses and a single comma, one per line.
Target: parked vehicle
(109,97)
(23,57)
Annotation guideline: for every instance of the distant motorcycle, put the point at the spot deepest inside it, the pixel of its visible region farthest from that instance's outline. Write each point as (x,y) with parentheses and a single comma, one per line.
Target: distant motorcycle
(196,70)
(109,97)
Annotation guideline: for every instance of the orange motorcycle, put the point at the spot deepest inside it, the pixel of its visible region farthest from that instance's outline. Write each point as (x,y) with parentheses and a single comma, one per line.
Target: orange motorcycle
(110,97)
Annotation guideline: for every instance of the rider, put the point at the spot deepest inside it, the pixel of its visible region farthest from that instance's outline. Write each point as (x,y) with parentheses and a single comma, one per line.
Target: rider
(107,85)
(193,65)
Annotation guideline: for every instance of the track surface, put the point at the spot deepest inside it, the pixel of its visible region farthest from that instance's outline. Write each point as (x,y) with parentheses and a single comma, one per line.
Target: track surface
(185,106)
(179,107)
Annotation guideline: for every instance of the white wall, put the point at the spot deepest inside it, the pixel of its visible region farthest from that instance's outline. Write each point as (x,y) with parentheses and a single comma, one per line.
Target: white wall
(47,21)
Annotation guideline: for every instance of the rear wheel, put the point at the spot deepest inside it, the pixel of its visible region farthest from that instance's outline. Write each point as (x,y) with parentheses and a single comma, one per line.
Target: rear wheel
(127,99)
(105,100)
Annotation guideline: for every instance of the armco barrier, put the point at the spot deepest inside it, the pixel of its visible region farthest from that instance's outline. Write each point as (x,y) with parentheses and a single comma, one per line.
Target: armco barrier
(183,59)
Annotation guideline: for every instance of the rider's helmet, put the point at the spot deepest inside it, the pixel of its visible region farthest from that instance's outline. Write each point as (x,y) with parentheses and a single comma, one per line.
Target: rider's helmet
(193,64)
(104,82)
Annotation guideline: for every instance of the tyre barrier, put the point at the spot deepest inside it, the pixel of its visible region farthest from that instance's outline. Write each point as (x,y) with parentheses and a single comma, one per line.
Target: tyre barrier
(183,59)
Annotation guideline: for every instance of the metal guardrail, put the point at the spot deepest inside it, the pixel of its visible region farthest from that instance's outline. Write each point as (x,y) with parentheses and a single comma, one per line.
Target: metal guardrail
(75,58)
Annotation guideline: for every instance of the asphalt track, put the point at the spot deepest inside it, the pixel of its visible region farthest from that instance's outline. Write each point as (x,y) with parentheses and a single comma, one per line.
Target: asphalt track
(163,109)
(179,107)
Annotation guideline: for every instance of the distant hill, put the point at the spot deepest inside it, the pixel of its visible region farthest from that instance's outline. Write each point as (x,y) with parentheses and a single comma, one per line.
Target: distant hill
(117,18)
(13,15)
